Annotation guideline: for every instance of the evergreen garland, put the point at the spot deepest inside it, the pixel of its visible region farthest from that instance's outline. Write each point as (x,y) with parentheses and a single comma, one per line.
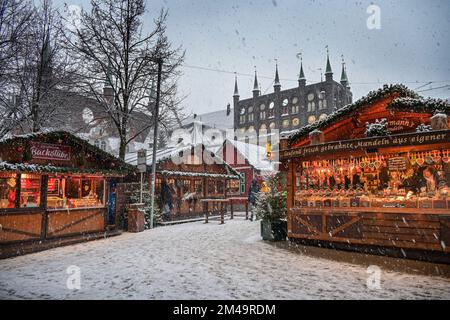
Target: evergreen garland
(377,129)
(424,128)
(429,105)
(37,168)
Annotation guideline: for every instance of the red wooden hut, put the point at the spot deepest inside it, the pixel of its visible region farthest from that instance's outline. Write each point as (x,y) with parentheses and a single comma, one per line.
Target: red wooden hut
(55,189)
(357,182)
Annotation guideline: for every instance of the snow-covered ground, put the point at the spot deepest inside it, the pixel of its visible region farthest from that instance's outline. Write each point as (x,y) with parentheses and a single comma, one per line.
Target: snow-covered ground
(201,261)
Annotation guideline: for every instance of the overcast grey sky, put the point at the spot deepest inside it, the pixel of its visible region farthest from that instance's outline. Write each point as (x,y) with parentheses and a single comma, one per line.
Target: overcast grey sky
(411,46)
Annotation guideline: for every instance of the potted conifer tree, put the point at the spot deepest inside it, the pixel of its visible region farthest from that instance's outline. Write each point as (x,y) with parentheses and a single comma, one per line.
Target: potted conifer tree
(271,209)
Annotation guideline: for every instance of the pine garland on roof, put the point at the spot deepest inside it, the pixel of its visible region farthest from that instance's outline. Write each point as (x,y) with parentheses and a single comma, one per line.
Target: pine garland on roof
(338,114)
(420,105)
(72,140)
(424,128)
(36,168)
(377,128)
(198,174)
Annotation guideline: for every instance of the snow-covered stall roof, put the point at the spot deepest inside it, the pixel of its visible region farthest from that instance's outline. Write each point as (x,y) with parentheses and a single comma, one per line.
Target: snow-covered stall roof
(345,111)
(255,155)
(174,152)
(67,138)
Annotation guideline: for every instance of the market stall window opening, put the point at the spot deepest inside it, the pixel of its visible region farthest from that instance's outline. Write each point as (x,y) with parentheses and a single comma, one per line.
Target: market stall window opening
(400,180)
(75,192)
(8,183)
(233,186)
(30,191)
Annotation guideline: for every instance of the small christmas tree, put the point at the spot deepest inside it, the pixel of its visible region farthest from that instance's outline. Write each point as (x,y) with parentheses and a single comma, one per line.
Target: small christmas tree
(271,205)
(147,201)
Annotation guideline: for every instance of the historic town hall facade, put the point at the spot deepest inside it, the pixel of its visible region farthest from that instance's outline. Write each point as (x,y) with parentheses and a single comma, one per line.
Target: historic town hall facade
(292,108)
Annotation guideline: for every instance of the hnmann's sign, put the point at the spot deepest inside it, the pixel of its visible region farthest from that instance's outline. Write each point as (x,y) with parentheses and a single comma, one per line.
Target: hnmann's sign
(388,141)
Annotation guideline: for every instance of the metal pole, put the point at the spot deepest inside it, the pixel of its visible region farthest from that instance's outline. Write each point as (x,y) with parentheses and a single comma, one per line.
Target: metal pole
(155,139)
(142,175)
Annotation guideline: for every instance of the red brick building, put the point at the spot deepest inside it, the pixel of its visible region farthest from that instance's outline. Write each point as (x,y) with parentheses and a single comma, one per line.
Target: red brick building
(249,160)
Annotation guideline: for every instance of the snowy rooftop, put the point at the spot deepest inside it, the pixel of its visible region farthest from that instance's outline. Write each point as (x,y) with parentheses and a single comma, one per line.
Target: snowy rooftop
(216,119)
(255,155)
(174,153)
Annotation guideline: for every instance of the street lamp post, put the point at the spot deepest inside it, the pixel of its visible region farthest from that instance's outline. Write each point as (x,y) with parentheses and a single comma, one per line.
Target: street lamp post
(155,139)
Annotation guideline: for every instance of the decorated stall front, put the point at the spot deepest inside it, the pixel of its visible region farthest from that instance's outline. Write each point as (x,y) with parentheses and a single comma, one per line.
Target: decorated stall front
(373,176)
(190,181)
(55,188)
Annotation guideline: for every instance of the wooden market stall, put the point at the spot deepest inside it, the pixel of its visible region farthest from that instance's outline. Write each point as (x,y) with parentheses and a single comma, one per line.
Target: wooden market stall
(55,188)
(198,180)
(357,182)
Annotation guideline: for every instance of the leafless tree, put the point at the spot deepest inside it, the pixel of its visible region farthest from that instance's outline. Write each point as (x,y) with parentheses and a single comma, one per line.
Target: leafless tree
(118,63)
(40,73)
(15,22)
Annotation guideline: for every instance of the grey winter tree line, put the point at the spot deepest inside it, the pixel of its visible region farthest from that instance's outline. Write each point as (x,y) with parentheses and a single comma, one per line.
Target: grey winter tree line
(107,55)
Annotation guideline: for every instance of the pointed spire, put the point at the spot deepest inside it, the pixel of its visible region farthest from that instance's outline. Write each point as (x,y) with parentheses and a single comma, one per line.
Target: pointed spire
(301,76)
(328,68)
(255,83)
(328,71)
(236,91)
(344,79)
(108,78)
(46,48)
(152,92)
(277,77)
(256,90)
(277,84)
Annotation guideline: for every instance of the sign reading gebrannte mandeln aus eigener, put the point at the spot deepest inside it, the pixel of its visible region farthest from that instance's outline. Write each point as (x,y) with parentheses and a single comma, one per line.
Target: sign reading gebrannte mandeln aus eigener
(47,151)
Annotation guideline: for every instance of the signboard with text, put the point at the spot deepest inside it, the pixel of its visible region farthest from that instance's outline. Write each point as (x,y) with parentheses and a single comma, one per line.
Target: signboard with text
(142,160)
(373,143)
(47,151)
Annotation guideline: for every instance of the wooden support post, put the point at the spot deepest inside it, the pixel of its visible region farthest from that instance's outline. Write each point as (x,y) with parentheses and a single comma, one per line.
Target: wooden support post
(222,213)
(231,210)
(246,210)
(205,210)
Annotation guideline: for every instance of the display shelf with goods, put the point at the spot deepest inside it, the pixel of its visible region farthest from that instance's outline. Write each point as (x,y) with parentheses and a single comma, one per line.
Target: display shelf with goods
(373,185)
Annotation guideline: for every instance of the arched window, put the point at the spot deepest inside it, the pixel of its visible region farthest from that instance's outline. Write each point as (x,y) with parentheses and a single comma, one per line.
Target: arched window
(322,100)
(250,116)
(262,115)
(311,103)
